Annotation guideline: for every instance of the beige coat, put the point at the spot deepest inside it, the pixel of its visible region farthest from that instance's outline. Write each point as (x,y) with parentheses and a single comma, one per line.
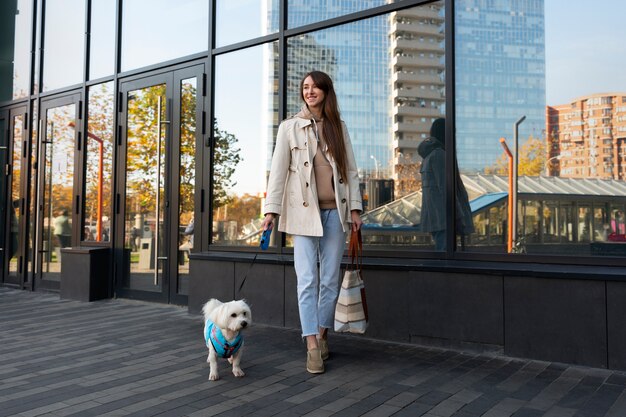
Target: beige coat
(291,189)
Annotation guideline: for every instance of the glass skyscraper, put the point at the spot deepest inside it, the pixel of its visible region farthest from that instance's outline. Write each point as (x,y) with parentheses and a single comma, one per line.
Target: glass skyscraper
(500,76)
(356,56)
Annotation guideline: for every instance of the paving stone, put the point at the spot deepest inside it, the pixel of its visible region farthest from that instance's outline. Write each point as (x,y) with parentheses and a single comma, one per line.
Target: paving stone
(121,357)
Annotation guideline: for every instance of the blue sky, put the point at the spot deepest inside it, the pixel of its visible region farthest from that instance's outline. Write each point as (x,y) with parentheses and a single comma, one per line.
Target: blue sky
(584,49)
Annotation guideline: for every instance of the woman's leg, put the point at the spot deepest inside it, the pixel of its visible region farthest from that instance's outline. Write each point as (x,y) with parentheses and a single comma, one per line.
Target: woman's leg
(305,249)
(331,248)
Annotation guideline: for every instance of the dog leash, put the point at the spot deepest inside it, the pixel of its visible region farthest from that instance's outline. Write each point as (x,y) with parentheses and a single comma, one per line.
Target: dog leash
(246,276)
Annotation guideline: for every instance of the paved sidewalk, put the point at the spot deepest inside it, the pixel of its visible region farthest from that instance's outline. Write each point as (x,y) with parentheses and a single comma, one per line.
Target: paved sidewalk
(122,357)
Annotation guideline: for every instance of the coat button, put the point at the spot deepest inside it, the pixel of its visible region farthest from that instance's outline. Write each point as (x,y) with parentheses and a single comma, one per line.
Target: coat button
(340,180)
(306,164)
(305,204)
(307,184)
(343,200)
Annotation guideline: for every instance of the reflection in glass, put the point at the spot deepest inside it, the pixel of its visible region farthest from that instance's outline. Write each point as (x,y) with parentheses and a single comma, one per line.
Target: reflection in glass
(187,179)
(145,188)
(159,30)
(246,88)
(306,12)
(64,48)
(239,21)
(15,47)
(396,58)
(102,39)
(570,169)
(32,208)
(98,164)
(58,178)
(15,211)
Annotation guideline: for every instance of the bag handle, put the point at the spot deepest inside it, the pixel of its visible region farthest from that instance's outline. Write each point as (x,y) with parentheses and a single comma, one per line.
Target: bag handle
(355,249)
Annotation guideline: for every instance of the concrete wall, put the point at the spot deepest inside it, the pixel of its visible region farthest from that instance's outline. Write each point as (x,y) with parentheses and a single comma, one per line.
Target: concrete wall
(578,319)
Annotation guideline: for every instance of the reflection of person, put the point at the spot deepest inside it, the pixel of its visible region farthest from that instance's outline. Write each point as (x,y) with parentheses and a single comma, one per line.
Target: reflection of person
(189,232)
(134,239)
(617,224)
(62,229)
(314,187)
(15,228)
(433,216)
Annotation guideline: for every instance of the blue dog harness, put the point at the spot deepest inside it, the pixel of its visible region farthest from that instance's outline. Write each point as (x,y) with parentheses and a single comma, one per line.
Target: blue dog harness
(223,347)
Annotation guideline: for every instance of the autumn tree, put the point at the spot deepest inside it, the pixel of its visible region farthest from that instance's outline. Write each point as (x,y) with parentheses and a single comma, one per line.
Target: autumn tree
(531,159)
(226,157)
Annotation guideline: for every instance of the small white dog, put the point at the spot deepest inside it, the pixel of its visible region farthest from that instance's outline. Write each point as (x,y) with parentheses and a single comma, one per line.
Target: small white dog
(223,323)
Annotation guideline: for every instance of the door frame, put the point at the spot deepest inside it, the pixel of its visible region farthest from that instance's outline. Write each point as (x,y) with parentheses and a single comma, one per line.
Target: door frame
(74,97)
(171,78)
(7,147)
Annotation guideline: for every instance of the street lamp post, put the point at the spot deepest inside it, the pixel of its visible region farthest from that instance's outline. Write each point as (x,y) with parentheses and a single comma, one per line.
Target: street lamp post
(375,164)
(515,159)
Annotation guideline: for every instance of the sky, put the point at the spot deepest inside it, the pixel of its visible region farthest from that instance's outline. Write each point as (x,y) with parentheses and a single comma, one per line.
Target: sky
(584,49)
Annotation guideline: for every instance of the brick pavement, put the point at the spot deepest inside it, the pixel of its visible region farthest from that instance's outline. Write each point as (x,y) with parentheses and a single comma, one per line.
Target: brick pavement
(128,358)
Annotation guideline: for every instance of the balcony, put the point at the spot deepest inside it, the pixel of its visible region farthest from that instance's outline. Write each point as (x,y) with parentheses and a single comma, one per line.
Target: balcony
(406,144)
(420,13)
(429,79)
(425,94)
(416,111)
(415,128)
(421,62)
(416,28)
(416,45)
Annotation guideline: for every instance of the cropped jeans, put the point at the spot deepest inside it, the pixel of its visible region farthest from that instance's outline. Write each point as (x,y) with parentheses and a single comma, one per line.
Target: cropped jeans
(318,293)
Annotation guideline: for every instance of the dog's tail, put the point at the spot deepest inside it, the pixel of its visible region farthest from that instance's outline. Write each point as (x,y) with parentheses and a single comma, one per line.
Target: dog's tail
(209,306)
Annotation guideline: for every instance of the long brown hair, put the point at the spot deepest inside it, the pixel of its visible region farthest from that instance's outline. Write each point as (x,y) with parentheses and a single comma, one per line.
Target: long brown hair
(333,133)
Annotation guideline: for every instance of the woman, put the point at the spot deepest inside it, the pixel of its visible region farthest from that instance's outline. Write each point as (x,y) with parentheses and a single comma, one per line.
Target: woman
(432,151)
(314,187)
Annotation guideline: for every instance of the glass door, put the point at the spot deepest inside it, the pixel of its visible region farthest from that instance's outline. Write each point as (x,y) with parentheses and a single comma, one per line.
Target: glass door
(13,151)
(57,193)
(154,233)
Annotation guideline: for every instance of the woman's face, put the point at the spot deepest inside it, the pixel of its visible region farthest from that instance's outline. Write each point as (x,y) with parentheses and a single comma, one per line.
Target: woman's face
(313,96)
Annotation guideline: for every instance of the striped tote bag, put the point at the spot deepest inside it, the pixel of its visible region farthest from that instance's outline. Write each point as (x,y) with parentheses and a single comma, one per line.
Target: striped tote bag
(351,309)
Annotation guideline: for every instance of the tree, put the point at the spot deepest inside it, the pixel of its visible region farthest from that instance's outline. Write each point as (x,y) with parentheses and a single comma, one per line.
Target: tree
(225,160)
(530,162)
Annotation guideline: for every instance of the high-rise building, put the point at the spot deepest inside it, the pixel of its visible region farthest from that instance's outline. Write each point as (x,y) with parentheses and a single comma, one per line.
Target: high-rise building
(500,76)
(356,56)
(587,137)
(418,93)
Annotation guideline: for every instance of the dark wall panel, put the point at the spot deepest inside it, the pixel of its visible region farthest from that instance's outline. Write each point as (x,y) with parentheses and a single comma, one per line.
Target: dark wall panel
(456,307)
(386,294)
(616,320)
(264,290)
(210,279)
(556,320)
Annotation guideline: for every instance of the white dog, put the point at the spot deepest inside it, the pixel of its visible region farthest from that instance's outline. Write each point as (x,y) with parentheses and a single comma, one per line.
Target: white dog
(223,323)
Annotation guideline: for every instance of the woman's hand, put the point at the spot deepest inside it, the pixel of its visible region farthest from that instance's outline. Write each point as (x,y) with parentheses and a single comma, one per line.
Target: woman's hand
(356,220)
(268,221)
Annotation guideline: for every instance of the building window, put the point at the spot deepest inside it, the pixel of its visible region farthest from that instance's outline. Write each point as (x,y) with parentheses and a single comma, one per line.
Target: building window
(98,164)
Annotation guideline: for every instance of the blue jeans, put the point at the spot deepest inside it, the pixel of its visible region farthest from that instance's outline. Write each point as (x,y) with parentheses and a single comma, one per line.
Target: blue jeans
(317,293)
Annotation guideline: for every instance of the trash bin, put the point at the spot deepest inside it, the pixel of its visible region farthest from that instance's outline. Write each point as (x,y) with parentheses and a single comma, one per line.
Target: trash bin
(146,253)
(85,273)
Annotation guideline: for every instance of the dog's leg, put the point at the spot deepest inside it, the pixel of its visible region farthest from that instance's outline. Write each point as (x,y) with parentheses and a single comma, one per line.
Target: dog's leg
(214,374)
(235,360)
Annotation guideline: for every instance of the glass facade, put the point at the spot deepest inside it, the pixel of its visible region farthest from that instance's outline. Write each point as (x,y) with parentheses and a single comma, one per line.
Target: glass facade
(63,44)
(154,31)
(194,113)
(15,47)
(500,77)
(102,39)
